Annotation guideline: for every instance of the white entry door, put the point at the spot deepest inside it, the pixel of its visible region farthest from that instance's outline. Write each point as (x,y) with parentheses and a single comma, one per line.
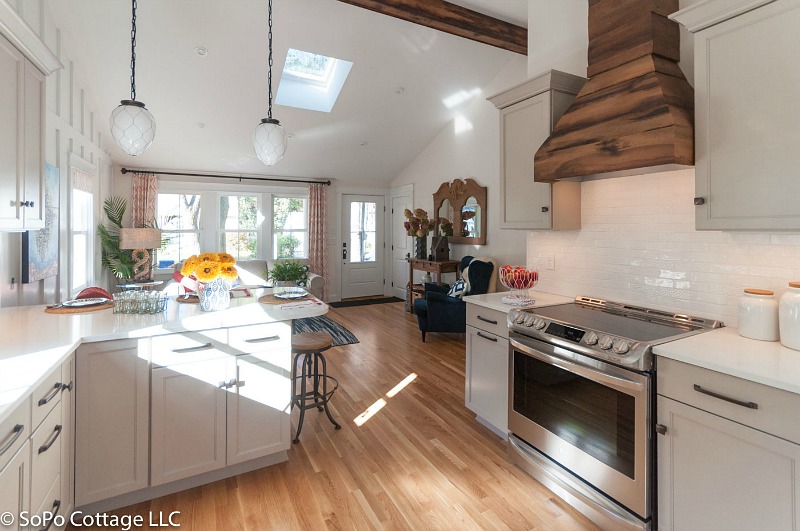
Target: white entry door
(400,245)
(362,246)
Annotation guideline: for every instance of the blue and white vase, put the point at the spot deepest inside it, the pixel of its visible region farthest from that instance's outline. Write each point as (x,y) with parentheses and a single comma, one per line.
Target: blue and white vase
(215,295)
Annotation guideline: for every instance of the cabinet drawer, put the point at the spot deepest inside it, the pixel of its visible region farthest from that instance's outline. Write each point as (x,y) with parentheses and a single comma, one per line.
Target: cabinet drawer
(483,318)
(771,410)
(260,338)
(46,457)
(45,397)
(51,504)
(14,431)
(188,347)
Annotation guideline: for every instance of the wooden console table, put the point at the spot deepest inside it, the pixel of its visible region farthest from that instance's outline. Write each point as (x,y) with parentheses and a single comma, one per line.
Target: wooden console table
(448,266)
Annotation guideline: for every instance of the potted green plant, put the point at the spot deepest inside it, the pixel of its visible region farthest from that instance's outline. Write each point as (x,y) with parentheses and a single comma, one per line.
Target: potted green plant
(288,272)
(119,261)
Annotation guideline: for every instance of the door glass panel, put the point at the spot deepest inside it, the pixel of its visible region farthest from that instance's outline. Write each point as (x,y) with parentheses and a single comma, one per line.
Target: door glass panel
(593,417)
(362,231)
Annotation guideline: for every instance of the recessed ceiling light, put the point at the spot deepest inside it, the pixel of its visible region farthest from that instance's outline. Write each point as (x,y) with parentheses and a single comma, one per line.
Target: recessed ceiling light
(201,125)
(400,90)
(200,51)
(364,143)
(291,135)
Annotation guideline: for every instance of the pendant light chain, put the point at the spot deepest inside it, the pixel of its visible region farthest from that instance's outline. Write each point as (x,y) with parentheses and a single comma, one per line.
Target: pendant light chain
(269,75)
(133,52)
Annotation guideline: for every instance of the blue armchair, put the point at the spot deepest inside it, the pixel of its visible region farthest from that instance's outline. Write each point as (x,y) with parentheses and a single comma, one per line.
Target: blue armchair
(439,312)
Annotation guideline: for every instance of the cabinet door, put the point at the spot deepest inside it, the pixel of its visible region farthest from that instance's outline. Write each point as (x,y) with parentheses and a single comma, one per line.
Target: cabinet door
(46,444)
(524,126)
(15,486)
(33,166)
(486,390)
(258,406)
(188,420)
(112,392)
(747,111)
(12,75)
(715,474)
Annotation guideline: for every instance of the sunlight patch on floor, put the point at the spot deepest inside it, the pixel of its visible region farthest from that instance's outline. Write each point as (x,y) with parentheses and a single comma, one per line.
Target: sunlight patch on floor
(378,405)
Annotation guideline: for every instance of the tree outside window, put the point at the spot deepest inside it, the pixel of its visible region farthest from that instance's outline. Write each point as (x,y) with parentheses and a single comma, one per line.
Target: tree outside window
(238,222)
(179,216)
(290,227)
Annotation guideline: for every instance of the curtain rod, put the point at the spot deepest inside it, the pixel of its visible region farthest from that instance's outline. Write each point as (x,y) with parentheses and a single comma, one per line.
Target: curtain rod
(239,177)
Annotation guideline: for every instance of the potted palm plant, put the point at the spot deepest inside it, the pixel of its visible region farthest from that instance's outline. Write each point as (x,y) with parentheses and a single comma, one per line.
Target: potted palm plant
(119,261)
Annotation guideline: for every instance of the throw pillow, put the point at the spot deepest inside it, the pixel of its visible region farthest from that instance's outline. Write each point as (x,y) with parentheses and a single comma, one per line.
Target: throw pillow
(458,290)
(479,276)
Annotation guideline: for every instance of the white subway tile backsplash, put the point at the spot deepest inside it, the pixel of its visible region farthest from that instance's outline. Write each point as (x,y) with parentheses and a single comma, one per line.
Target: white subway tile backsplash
(638,244)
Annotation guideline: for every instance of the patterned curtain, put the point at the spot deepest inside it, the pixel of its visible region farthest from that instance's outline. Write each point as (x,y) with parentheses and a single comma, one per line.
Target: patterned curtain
(318,234)
(145,193)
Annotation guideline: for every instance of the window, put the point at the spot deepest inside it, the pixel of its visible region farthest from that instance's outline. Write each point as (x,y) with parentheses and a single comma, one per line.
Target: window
(82,255)
(179,218)
(311,81)
(238,224)
(308,66)
(362,231)
(290,227)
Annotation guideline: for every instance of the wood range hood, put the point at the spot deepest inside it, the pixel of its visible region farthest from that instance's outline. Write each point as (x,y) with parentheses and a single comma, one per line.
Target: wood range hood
(635,114)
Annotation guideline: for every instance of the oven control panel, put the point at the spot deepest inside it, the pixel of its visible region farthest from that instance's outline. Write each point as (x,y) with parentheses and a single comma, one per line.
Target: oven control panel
(565,332)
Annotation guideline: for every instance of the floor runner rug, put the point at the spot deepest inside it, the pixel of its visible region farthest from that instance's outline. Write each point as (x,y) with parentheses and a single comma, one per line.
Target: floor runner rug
(340,334)
(364,302)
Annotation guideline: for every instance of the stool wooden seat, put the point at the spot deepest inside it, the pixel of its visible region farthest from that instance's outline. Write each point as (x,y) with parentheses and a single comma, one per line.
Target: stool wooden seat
(311,345)
(311,342)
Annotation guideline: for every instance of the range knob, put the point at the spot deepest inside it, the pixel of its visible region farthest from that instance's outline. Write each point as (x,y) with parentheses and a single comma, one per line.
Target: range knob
(621,347)
(529,320)
(591,338)
(539,323)
(606,342)
(519,318)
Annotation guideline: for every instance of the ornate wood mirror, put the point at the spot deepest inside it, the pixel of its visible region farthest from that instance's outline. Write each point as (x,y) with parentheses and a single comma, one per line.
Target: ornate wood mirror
(463,203)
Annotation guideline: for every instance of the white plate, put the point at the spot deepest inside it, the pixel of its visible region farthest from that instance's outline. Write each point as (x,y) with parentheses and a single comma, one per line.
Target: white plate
(82,303)
(296,293)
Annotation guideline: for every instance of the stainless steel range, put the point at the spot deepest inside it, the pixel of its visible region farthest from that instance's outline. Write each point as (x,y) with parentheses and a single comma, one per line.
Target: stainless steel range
(581,402)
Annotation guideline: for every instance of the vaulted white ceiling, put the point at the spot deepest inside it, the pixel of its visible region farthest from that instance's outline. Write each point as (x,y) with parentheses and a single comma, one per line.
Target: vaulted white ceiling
(390,108)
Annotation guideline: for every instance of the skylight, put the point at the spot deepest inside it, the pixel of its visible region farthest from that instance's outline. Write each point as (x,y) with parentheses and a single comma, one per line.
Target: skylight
(311,81)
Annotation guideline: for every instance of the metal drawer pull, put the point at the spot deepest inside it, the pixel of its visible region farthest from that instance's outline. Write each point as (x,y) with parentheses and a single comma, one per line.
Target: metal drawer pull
(485,320)
(749,405)
(661,429)
(54,511)
(490,338)
(262,339)
(51,395)
(54,438)
(66,387)
(192,349)
(15,434)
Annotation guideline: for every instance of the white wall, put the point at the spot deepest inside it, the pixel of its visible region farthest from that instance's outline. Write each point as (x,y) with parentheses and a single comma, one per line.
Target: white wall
(472,153)
(70,129)
(557,36)
(638,244)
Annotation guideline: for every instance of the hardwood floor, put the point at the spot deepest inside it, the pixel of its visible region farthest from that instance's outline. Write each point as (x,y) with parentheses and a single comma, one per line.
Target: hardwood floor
(421,461)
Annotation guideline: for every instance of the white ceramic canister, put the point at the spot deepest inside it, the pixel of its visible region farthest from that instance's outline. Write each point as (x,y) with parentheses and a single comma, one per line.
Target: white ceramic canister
(758,315)
(790,316)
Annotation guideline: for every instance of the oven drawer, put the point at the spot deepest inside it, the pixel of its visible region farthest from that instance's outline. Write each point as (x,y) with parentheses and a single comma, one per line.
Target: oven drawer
(762,407)
(492,321)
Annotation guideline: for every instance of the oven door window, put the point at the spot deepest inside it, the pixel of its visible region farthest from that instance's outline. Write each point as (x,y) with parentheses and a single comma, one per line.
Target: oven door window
(591,416)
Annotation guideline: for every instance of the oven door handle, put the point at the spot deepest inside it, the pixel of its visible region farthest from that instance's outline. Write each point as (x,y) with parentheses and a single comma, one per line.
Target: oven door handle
(600,377)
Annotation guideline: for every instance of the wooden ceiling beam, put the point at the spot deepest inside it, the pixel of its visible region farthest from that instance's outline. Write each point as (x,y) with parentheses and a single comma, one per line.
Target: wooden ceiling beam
(453,19)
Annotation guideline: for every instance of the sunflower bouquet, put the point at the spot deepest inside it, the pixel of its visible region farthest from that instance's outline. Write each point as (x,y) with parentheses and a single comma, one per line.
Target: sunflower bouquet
(208,267)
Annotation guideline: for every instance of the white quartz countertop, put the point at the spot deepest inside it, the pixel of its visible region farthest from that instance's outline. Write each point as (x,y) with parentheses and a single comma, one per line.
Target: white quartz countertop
(494,300)
(724,350)
(34,342)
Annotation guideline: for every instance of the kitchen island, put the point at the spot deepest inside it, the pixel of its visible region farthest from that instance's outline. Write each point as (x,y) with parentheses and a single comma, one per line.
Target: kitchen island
(159,403)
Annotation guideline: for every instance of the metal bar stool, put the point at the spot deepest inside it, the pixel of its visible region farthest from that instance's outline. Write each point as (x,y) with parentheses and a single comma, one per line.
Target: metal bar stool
(311,345)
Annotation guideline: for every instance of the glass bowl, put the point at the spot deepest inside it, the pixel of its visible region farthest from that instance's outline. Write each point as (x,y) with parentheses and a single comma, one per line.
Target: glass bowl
(519,280)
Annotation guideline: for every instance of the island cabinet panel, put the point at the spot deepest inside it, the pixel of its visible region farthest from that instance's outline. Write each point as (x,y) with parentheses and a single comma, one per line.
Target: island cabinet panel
(15,485)
(112,388)
(187,419)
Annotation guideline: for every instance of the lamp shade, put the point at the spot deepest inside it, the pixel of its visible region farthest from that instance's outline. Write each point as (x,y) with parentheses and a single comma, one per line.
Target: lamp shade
(143,238)
(133,127)
(269,141)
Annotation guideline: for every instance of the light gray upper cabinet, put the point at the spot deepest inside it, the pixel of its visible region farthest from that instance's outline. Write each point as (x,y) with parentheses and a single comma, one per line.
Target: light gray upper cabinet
(528,113)
(746,113)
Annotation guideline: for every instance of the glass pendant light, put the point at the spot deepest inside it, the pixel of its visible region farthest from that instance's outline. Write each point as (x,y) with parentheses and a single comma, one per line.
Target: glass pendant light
(132,125)
(269,138)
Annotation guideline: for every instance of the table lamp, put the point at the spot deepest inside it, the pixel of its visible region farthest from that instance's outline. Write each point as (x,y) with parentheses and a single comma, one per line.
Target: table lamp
(141,240)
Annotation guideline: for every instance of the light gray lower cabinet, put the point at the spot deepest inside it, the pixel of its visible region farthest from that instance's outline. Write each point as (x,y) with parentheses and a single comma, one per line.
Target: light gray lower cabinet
(486,387)
(718,469)
(112,393)
(15,485)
